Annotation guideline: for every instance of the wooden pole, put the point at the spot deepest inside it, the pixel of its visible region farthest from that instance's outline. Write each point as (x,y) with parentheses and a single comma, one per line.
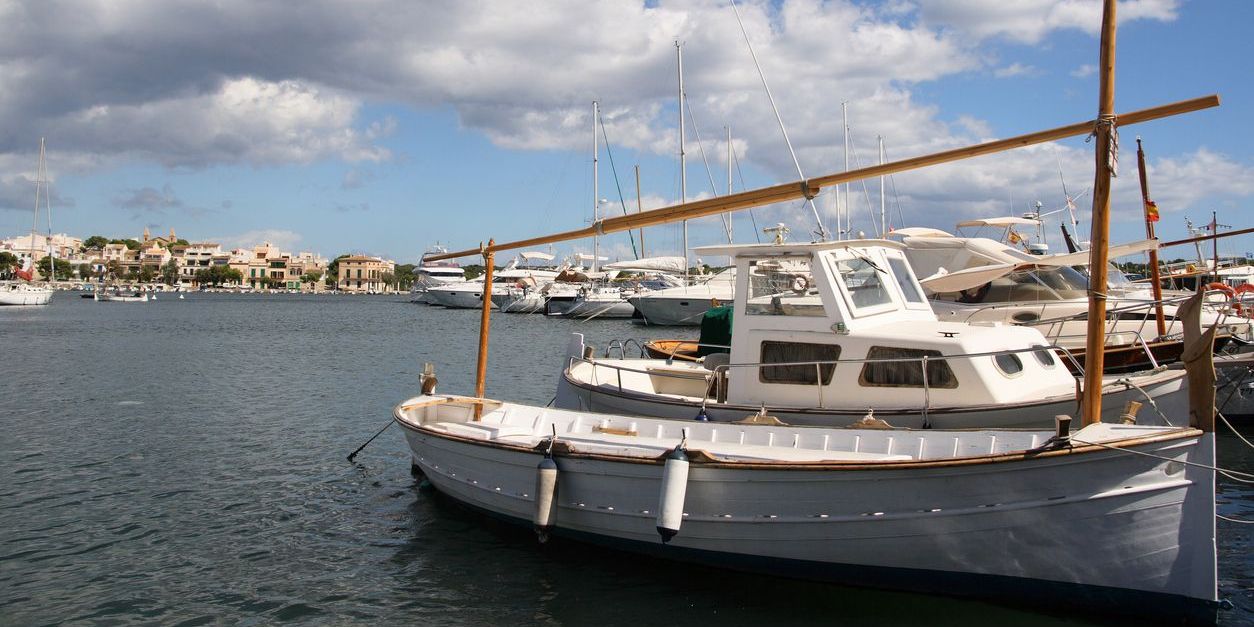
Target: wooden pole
(485,319)
(1095,341)
(1151,211)
(1202,238)
(808,188)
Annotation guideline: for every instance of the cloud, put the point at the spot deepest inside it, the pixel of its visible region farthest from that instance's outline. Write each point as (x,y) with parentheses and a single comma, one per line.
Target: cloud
(1084,71)
(355,178)
(148,200)
(286,240)
(352,208)
(1015,69)
(1031,21)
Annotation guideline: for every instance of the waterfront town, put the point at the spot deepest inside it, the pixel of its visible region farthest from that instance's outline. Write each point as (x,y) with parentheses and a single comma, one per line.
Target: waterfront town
(169,262)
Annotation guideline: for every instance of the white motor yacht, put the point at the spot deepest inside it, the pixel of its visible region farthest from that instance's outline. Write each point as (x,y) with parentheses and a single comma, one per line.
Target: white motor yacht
(830,333)
(685,305)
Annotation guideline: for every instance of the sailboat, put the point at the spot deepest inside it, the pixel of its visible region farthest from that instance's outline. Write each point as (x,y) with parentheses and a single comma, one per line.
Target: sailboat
(23,291)
(1112,517)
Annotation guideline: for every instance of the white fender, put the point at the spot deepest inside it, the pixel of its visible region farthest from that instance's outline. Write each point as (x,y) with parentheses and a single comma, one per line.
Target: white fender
(546,497)
(670,508)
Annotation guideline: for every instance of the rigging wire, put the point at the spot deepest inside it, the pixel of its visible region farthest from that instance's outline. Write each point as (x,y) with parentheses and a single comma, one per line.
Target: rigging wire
(725,217)
(822,232)
(621,201)
(757,235)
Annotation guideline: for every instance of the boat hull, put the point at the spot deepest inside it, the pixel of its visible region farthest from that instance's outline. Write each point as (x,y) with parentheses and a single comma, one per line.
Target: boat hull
(1089,529)
(25,296)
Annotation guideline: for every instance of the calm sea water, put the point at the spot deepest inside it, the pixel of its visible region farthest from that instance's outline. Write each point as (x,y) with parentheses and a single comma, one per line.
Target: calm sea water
(183,462)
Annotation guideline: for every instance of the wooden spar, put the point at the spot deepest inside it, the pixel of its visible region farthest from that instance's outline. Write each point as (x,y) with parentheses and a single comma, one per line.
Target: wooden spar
(481,370)
(1149,234)
(1099,236)
(1202,238)
(808,188)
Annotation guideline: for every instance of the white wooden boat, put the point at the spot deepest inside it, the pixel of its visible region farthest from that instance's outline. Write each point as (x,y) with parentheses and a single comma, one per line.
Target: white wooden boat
(21,294)
(826,332)
(1117,518)
(995,514)
(121,297)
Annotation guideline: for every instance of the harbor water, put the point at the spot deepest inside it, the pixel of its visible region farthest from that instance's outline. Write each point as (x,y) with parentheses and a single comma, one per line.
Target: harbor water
(182,462)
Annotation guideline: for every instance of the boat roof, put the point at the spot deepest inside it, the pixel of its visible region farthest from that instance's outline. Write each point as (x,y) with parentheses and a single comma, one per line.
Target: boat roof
(1000,222)
(734,250)
(656,264)
(919,231)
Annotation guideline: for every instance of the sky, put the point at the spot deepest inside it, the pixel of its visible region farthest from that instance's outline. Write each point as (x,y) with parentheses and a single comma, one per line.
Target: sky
(384,127)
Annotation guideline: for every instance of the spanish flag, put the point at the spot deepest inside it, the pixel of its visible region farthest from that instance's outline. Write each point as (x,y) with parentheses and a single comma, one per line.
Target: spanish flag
(1014,238)
(1151,211)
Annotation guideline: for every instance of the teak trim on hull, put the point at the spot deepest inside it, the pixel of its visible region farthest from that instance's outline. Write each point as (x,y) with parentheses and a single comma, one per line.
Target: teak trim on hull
(709,461)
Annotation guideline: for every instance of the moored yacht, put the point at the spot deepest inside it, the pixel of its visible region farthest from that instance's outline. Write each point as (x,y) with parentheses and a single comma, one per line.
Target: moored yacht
(832,333)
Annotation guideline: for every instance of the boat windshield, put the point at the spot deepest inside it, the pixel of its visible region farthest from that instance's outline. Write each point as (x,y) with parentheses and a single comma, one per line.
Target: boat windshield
(782,286)
(1029,285)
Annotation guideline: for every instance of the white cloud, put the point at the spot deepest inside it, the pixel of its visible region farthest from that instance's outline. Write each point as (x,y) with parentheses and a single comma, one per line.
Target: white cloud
(1031,21)
(284,239)
(1084,71)
(1015,69)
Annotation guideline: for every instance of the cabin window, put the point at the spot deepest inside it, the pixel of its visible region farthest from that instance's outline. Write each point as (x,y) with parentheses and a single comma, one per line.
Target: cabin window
(794,352)
(1008,363)
(782,286)
(902,274)
(907,373)
(863,281)
(1044,356)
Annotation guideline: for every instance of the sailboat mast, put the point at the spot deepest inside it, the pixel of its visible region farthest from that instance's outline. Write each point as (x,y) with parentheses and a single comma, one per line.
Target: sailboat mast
(883,204)
(1150,218)
(596,202)
(844,126)
(1095,340)
(639,209)
(683,171)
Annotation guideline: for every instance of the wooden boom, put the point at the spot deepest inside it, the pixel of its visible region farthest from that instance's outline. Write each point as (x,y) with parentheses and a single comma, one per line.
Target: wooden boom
(809,188)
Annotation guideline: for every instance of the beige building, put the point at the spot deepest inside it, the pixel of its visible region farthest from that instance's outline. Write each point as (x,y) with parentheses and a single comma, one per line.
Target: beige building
(365,275)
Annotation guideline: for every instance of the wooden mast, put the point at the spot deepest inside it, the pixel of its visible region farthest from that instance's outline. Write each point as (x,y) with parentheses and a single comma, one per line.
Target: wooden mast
(1151,216)
(1095,341)
(485,319)
(808,188)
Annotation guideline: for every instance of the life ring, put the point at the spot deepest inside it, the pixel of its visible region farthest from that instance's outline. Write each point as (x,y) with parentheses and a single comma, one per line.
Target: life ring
(1239,298)
(1226,289)
(800,284)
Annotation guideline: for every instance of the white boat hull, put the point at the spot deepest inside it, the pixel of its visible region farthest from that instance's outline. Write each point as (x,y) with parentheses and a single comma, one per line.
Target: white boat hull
(584,309)
(24,295)
(1092,527)
(684,309)
(456,299)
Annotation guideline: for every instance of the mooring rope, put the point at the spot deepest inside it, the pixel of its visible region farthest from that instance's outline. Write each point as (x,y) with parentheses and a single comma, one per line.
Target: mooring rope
(1153,405)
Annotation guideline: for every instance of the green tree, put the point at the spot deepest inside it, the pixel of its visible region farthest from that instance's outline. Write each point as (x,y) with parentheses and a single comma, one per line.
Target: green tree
(405,276)
(170,272)
(218,275)
(147,274)
(8,261)
(84,270)
(331,281)
(388,279)
(113,269)
(473,270)
(313,276)
(333,268)
(130,243)
(96,241)
(64,269)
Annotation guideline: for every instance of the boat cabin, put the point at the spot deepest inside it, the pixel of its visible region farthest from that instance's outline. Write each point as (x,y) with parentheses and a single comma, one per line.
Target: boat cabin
(859,302)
